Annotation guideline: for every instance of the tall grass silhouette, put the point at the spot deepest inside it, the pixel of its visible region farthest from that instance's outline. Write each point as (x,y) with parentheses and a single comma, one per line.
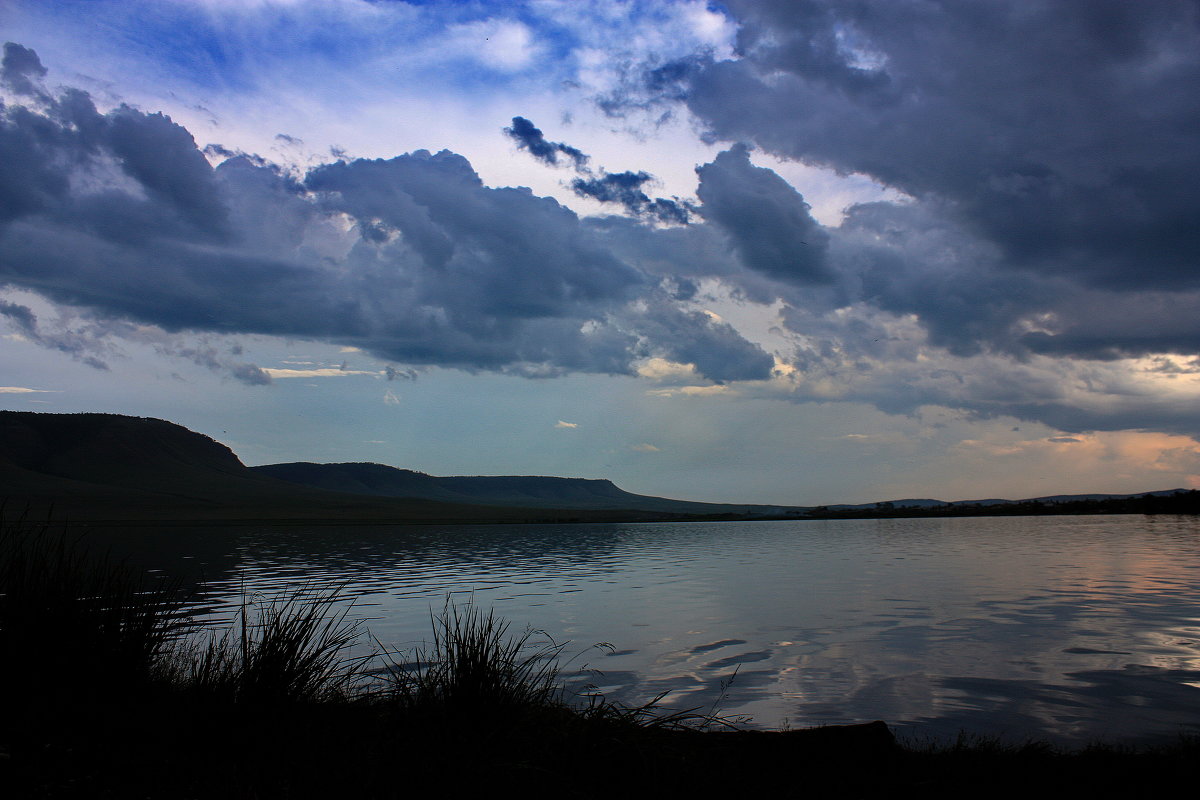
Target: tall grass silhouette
(73,621)
(294,648)
(476,664)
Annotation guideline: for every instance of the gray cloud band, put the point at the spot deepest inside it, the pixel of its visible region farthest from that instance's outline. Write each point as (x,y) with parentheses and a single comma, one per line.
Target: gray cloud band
(1078,248)
(121,213)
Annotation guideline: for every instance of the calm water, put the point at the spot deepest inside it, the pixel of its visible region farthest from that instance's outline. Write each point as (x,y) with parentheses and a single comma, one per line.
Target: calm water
(1066,628)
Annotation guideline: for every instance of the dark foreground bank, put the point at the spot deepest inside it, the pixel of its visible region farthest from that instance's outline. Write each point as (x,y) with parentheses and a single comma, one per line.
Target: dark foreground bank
(108,691)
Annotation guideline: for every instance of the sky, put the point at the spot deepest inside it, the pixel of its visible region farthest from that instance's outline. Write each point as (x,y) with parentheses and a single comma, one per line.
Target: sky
(774,251)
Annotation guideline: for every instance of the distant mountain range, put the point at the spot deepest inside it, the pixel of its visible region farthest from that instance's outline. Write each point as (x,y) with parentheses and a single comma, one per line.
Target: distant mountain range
(114,467)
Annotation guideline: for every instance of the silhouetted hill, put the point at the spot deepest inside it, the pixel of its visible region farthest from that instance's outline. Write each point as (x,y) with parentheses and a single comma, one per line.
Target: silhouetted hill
(112,449)
(115,467)
(527,491)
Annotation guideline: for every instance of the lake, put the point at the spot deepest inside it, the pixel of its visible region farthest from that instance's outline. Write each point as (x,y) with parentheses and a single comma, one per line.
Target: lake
(1069,629)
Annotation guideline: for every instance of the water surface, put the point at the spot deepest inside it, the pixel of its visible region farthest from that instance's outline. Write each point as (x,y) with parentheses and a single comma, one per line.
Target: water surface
(1065,628)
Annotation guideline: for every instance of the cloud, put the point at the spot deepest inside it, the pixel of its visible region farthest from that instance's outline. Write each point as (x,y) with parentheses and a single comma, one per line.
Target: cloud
(319,372)
(84,341)
(1179,459)
(394,374)
(644,447)
(1044,233)
(504,45)
(994,285)
(1169,366)
(252,375)
(23,390)
(625,189)
(530,138)
(562,424)
(202,352)
(1063,440)
(690,391)
(121,214)
(1079,163)
(22,317)
(660,369)
(714,348)
(905,375)
(21,70)
(767,221)
(621,188)
(390,398)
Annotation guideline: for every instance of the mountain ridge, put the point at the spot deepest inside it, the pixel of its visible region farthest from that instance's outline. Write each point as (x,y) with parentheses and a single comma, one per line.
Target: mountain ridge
(114,466)
(530,491)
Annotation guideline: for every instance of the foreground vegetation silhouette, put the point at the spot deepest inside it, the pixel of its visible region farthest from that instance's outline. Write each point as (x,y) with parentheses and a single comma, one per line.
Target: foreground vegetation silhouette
(109,689)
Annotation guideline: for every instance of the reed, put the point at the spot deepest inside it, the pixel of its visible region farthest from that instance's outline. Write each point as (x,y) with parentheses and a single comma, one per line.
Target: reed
(475,666)
(73,621)
(290,649)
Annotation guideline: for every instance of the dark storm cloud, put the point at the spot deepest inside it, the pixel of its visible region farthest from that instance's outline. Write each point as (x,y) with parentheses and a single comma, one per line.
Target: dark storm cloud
(162,157)
(929,300)
(528,137)
(1047,149)
(625,188)
(501,253)
(21,70)
(1110,325)
(767,220)
(912,259)
(412,258)
(1064,133)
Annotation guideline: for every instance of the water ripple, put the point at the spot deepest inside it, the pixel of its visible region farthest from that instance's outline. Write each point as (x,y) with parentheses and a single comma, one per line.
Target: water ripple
(1063,627)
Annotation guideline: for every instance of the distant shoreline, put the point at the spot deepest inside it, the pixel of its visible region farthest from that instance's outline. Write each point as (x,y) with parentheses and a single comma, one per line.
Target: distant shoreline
(1188,505)
(1183,502)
